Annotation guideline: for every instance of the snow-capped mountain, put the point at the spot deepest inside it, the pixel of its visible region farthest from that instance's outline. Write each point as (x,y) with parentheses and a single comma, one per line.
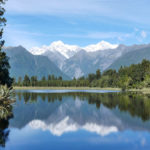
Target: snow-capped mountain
(66,50)
(100,46)
(75,61)
(70,50)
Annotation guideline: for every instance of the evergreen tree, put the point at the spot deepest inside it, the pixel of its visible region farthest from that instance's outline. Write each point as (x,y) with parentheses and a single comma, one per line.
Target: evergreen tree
(4,64)
(33,80)
(26,81)
(19,81)
(91,77)
(14,81)
(43,79)
(52,77)
(49,77)
(60,78)
(98,74)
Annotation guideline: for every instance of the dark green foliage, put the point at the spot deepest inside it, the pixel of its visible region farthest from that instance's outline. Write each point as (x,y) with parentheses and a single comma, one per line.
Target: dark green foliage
(33,81)
(60,78)
(91,77)
(4,64)
(6,99)
(6,94)
(134,76)
(26,81)
(98,74)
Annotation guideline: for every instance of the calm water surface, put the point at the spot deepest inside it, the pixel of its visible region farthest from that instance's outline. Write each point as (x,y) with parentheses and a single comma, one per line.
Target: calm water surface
(77,120)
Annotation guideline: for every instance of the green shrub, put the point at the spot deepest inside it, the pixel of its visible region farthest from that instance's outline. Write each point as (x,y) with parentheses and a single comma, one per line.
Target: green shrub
(6,101)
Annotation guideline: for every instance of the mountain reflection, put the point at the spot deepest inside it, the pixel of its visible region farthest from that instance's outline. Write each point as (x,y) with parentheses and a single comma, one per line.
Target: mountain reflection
(101,113)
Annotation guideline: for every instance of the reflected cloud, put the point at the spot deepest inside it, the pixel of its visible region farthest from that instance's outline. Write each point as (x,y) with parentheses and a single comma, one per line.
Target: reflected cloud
(100,129)
(56,129)
(65,126)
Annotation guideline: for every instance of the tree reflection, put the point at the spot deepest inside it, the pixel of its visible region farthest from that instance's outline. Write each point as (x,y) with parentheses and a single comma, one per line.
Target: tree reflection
(4,132)
(134,103)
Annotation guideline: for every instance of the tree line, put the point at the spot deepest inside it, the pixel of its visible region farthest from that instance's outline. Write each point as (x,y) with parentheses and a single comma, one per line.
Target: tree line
(5,78)
(133,76)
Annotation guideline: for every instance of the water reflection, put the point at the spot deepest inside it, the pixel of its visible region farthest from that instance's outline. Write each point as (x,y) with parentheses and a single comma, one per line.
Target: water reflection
(64,126)
(135,104)
(69,120)
(4,132)
(103,113)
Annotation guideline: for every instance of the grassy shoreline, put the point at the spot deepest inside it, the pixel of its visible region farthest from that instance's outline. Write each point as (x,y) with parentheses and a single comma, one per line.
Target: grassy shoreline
(65,88)
(144,90)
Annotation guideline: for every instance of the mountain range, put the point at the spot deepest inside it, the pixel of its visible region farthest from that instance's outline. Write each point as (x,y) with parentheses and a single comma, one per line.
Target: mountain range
(72,61)
(69,50)
(23,62)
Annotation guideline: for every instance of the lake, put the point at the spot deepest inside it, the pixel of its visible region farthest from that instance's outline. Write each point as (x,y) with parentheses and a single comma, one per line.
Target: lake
(77,120)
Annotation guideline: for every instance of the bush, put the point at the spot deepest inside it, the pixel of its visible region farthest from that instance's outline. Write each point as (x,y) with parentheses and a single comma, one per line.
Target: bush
(6,101)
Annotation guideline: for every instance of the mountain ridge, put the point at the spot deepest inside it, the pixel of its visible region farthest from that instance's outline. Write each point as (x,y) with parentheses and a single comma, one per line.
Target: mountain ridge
(82,62)
(23,62)
(133,57)
(69,50)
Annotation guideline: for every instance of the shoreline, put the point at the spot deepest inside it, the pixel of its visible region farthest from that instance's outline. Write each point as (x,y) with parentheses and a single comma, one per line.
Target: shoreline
(65,88)
(144,90)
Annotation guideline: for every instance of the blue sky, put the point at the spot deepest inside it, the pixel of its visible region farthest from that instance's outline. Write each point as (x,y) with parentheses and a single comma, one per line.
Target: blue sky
(79,22)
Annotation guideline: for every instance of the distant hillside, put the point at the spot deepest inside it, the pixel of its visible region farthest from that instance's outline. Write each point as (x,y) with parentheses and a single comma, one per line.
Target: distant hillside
(22,62)
(76,61)
(83,63)
(133,57)
(56,57)
(79,65)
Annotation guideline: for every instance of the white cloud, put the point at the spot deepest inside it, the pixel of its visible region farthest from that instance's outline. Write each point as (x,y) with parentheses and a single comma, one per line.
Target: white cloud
(99,35)
(18,35)
(15,37)
(112,9)
(52,7)
(143,34)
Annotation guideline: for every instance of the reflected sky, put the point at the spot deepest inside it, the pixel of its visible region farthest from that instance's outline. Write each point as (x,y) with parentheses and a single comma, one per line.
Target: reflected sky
(77,120)
(67,91)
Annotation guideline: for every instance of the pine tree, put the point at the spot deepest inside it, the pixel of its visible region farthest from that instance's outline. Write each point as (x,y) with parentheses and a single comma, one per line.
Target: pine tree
(32,81)
(4,64)
(98,74)
(60,78)
(19,81)
(49,77)
(26,81)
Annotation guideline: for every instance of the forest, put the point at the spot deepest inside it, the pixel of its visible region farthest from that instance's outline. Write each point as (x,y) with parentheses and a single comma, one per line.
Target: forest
(134,76)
